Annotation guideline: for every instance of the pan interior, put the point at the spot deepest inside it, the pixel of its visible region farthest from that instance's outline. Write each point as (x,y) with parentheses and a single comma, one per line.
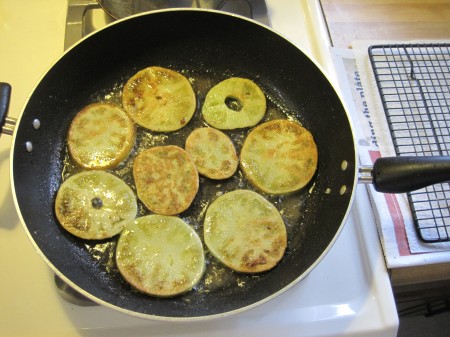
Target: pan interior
(206,47)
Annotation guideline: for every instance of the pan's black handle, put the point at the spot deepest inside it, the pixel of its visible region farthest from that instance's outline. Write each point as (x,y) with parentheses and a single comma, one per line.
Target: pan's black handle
(405,174)
(7,124)
(5,95)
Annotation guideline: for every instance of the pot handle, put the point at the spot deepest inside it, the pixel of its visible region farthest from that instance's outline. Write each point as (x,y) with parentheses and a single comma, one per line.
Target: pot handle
(6,123)
(405,174)
(74,22)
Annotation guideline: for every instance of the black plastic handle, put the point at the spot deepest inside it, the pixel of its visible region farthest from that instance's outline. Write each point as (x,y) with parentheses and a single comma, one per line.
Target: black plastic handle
(405,174)
(5,95)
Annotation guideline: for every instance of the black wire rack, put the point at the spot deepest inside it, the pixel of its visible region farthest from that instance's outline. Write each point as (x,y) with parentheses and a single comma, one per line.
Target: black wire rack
(413,81)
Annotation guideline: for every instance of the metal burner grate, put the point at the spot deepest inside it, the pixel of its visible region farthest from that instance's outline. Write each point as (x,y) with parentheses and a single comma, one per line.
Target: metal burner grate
(413,81)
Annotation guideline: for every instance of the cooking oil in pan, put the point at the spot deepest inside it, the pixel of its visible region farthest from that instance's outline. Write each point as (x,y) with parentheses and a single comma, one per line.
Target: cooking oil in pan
(217,277)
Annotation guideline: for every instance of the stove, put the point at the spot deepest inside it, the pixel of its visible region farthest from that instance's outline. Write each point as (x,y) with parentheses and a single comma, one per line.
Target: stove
(347,294)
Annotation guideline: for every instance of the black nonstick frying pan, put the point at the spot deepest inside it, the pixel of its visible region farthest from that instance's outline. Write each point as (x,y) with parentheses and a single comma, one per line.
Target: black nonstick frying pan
(207,47)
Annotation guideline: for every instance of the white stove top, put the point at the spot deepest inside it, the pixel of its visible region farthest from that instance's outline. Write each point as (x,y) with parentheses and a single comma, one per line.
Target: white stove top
(348,293)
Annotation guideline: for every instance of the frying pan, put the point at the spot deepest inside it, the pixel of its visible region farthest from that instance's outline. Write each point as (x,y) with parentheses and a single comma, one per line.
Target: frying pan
(207,47)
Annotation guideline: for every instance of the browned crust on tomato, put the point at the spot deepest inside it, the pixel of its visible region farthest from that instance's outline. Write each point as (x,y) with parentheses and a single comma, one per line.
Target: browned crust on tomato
(213,153)
(100,136)
(160,255)
(77,212)
(166,179)
(279,156)
(245,232)
(159,99)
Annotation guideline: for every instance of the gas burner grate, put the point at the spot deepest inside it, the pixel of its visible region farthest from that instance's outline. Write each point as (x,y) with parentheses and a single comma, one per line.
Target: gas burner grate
(413,81)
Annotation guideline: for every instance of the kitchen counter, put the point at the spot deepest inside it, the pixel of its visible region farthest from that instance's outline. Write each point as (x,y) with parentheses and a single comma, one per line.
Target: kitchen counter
(350,20)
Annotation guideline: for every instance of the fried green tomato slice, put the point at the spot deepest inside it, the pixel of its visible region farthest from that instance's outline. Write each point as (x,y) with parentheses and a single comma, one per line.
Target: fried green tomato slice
(159,99)
(100,136)
(279,157)
(245,232)
(166,179)
(160,255)
(213,153)
(95,205)
(233,104)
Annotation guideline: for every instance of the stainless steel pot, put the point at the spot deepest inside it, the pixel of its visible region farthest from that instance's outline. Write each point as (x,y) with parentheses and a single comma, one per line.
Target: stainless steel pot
(119,9)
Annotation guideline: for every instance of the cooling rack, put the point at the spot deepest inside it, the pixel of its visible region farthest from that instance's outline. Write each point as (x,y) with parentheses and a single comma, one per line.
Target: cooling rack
(413,81)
